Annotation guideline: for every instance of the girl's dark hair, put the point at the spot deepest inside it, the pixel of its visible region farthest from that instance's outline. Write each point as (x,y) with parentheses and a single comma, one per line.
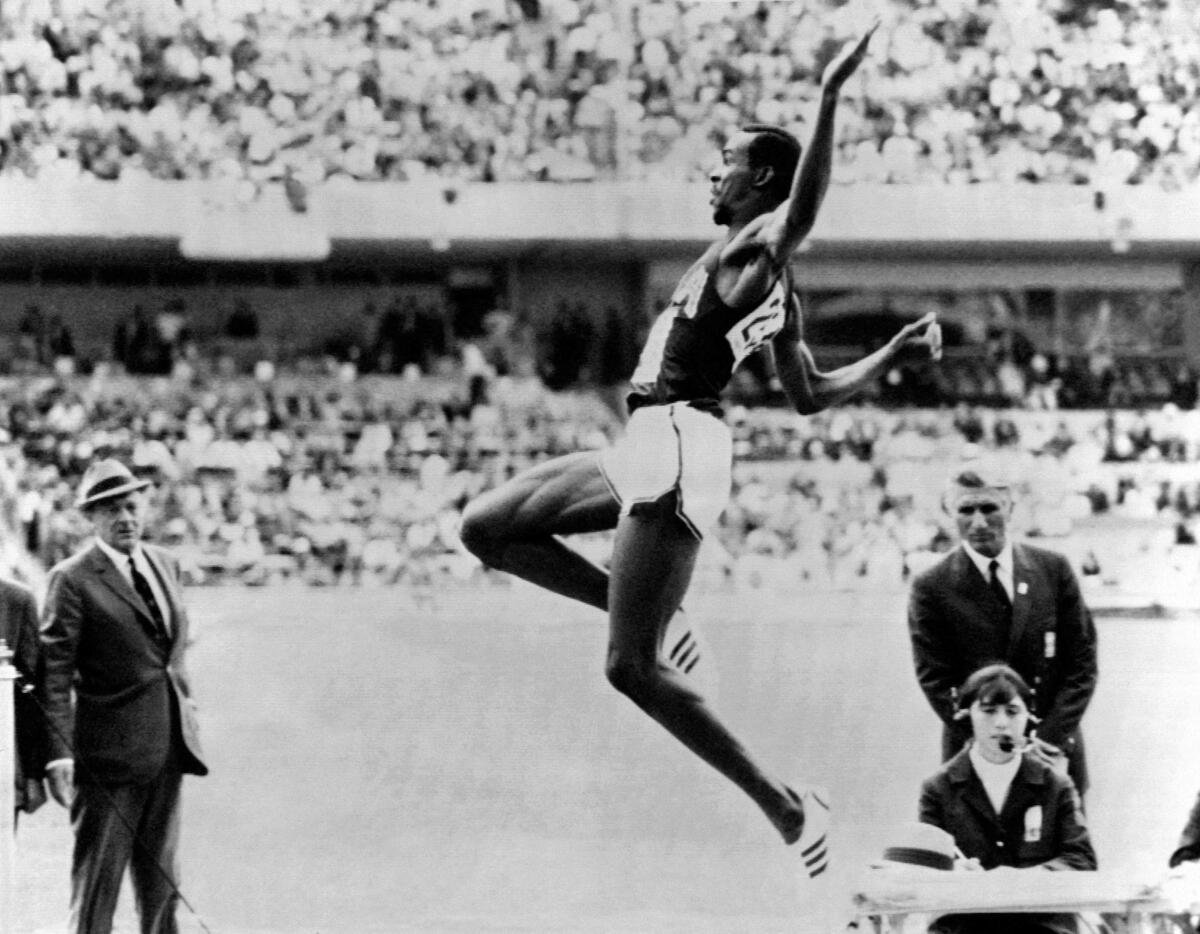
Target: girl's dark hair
(775,147)
(993,684)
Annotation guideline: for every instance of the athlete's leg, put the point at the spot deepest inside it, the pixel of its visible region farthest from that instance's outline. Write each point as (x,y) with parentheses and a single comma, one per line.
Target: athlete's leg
(513,528)
(653,559)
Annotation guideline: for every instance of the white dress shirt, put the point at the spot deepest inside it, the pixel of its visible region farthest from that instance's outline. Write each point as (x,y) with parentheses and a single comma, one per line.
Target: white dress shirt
(1004,566)
(121,560)
(997,778)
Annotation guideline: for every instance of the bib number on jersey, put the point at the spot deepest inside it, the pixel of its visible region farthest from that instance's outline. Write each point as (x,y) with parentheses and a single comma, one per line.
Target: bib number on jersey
(749,334)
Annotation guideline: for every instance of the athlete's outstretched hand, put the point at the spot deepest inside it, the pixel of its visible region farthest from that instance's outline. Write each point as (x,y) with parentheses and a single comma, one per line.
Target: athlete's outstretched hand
(919,342)
(847,61)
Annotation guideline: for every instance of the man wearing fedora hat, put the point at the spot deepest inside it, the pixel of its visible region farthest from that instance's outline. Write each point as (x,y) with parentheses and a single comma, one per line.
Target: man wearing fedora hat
(114,629)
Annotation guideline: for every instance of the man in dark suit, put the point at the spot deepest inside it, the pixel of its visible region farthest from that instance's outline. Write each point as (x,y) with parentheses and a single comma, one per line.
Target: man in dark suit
(114,627)
(991,600)
(19,630)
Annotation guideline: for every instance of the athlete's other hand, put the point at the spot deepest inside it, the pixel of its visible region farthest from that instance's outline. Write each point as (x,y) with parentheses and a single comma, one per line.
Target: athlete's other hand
(847,62)
(919,342)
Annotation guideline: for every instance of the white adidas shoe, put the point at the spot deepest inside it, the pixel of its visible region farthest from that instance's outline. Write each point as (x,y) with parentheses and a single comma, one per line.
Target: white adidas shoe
(814,838)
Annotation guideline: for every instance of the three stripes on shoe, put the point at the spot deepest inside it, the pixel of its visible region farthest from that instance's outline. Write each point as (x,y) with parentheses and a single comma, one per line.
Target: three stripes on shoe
(815,853)
(685,653)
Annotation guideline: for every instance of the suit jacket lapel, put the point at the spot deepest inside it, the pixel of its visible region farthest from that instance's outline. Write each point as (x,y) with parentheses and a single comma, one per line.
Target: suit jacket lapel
(1022,794)
(973,589)
(971,584)
(1021,597)
(970,788)
(106,572)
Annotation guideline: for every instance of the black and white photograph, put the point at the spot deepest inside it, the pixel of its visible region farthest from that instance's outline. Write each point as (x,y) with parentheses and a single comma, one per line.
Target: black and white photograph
(599,466)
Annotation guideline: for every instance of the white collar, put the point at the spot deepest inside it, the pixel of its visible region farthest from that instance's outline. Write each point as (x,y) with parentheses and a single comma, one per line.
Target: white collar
(1004,560)
(119,558)
(996,777)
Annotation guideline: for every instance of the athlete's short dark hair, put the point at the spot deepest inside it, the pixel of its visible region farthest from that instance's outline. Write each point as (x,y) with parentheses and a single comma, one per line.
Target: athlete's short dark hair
(775,147)
(994,685)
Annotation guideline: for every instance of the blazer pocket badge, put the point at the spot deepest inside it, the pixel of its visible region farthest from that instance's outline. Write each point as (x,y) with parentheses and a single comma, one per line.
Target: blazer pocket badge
(1033,824)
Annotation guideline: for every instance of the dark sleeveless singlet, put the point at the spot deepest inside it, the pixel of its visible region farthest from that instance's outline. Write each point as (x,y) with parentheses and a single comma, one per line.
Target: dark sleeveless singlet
(697,342)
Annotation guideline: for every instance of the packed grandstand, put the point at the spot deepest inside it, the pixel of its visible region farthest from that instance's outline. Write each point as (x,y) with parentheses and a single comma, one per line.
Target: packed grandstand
(316,481)
(326,475)
(957,92)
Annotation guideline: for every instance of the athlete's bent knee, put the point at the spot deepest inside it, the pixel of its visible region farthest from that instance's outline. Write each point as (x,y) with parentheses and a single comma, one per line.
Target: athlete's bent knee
(630,676)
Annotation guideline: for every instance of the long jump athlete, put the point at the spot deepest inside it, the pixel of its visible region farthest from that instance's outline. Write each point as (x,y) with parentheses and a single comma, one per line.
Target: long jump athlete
(668,479)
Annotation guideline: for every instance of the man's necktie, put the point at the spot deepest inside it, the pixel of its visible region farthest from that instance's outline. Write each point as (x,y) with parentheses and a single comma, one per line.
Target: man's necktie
(146,592)
(997,587)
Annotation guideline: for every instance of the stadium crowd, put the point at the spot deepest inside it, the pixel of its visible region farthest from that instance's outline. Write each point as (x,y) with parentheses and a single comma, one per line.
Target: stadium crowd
(327,482)
(262,90)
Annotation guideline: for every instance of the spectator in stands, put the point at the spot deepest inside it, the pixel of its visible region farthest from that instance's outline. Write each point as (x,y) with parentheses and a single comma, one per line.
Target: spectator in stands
(1006,808)
(242,323)
(1184,386)
(452,90)
(135,343)
(59,342)
(32,331)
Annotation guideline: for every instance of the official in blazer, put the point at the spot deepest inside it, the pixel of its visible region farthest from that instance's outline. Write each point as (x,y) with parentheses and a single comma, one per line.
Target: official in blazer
(990,600)
(1004,806)
(114,628)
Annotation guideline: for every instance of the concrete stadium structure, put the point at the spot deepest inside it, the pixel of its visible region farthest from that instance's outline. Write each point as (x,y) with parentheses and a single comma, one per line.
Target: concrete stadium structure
(526,246)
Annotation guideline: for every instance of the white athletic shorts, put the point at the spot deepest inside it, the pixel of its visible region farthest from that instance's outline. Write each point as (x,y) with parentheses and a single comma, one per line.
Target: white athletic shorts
(673,447)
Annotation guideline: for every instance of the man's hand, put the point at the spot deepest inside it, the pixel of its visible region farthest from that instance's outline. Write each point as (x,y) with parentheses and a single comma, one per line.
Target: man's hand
(966,863)
(847,62)
(1049,754)
(35,795)
(918,342)
(61,779)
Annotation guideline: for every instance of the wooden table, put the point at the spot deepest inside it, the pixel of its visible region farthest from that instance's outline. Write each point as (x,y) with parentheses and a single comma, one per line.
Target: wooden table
(906,903)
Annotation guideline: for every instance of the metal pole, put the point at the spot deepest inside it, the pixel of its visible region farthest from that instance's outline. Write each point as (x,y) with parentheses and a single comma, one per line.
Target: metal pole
(8,795)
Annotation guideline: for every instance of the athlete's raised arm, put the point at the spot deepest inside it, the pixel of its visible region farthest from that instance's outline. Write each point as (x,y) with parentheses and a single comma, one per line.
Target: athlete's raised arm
(791,222)
(809,390)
